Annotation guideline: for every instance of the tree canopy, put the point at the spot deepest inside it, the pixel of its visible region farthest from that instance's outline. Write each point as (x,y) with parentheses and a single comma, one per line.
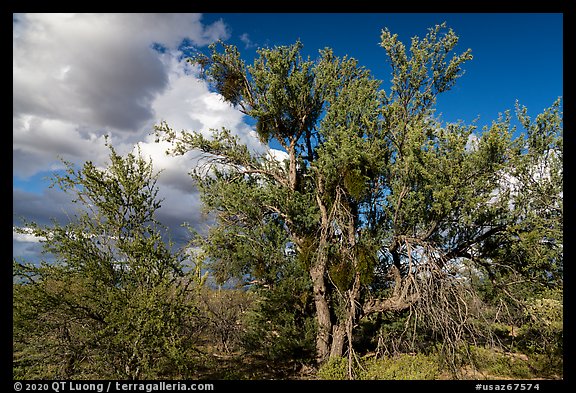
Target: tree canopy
(389,209)
(380,230)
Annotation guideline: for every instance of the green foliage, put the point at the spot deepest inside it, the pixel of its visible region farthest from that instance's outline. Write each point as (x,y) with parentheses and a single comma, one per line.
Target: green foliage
(420,76)
(415,237)
(277,90)
(287,81)
(401,367)
(545,366)
(334,369)
(480,363)
(280,326)
(543,331)
(497,365)
(226,70)
(114,303)
(389,209)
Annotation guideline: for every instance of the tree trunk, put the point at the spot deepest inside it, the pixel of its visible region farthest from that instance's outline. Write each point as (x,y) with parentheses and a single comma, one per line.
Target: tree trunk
(317,275)
(338,338)
(343,332)
(322,311)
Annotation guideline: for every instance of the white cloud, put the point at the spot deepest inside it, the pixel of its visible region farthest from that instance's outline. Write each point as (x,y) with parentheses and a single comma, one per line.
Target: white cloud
(278,155)
(26,236)
(87,68)
(188,104)
(472,143)
(248,43)
(37,141)
(78,77)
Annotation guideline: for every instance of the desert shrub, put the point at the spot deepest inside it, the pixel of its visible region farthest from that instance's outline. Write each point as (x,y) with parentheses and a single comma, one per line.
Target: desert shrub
(400,367)
(222,313)
(493,363)
(404,367)
(542,332)
(543,366)
(281,324)
(334,369)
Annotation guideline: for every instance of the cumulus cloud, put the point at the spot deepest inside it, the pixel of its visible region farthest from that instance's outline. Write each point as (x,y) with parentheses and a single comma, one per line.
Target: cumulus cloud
(39,141)
(188,104)
(78,77)
(86,68)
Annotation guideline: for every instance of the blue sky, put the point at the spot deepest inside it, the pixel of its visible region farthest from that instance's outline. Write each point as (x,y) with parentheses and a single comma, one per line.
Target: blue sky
(516,56)
(79,77)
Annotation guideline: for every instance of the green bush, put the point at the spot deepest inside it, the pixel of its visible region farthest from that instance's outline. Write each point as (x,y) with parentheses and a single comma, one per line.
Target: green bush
(404,367)
(543,366)
(401,367)
(281,325)
(543,331)
(498,364)
(334,369)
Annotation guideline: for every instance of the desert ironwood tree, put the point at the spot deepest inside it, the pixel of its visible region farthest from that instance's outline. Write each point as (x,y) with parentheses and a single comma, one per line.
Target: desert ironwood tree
(387,208)
(112,302)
